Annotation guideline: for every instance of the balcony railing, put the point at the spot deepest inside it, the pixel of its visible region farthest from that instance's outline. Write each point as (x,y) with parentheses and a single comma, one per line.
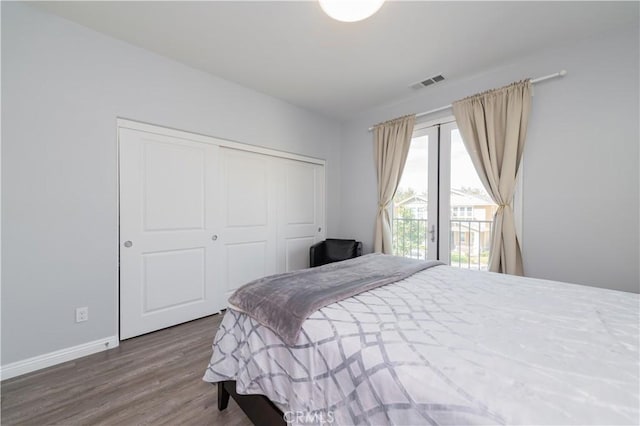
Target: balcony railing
(469,241)
(410,238)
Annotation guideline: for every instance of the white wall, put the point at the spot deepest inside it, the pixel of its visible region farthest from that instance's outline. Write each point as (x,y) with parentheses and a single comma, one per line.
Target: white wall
(580,186)
(62,88)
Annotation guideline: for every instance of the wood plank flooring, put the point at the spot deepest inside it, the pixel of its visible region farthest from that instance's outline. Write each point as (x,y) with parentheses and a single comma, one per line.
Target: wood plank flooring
(152,379)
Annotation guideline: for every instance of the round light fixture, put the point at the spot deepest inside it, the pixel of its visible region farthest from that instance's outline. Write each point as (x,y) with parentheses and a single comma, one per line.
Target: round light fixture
(350,10)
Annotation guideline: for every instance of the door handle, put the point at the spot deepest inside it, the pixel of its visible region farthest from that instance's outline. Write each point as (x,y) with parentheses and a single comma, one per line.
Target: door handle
(128,244)
(214,237)
(433,233)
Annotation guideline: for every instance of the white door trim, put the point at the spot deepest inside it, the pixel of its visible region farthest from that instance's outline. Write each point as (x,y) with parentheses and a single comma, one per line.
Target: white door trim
(432,188)
(196,137)
(445,187)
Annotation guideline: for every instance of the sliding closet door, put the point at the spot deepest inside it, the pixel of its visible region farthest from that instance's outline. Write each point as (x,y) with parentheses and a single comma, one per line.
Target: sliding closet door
(248,188)
(169,255)
(199,217)
(300,212)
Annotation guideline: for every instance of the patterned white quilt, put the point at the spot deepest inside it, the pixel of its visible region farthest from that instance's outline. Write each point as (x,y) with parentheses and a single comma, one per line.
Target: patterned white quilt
(448,346)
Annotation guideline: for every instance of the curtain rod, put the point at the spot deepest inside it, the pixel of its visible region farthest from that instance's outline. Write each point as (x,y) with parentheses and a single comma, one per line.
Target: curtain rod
(562,73)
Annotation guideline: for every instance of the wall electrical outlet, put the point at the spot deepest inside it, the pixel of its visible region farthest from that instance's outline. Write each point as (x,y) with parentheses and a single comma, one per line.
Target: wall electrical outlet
(82,314)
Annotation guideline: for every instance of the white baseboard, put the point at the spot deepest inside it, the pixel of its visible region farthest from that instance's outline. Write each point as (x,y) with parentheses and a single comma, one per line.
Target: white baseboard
(57,357)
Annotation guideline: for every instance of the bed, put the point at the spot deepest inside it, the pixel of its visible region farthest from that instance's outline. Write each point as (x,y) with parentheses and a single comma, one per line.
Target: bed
(441,346)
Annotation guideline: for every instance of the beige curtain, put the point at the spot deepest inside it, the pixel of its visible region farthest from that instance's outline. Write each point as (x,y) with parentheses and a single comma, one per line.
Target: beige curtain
(493,126)
(392,142)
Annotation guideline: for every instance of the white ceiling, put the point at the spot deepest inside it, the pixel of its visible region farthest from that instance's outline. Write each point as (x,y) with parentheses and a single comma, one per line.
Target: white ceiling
(293,51)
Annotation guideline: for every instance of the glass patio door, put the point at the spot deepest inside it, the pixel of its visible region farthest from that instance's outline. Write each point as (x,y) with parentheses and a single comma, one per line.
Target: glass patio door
(466,210)
(415,205)
(441,209)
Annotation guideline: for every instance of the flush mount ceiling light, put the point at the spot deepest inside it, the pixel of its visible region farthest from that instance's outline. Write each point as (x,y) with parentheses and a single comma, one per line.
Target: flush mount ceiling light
(350,10)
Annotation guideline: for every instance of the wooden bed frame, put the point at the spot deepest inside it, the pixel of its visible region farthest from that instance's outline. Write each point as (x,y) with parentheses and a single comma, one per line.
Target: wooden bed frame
(259,408)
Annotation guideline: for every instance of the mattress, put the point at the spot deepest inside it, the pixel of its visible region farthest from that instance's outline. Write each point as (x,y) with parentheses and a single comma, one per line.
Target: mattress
(448,346)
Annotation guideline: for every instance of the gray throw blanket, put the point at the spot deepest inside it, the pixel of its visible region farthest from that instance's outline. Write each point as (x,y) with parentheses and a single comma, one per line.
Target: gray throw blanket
(283,302)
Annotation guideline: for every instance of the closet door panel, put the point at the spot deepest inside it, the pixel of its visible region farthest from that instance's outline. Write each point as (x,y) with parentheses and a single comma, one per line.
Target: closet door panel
(300,195)
(168,260)
(248,224)
(297,253)
(301,212)
(172,203)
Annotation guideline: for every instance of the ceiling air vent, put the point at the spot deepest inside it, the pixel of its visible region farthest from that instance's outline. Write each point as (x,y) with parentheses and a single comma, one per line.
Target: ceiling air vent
(427,82)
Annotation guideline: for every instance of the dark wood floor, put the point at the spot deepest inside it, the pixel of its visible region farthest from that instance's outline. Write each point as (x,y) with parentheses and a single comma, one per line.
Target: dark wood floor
(152,379)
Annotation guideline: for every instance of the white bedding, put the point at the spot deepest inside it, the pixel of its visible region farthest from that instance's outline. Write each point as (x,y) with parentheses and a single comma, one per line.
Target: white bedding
(449,346)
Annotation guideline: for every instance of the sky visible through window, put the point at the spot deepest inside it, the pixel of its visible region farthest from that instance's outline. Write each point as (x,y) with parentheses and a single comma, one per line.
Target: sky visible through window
(463,173)
(415,174)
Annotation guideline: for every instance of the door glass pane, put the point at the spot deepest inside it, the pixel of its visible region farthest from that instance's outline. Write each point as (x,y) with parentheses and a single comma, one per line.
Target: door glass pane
(472,211)
(409,217)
